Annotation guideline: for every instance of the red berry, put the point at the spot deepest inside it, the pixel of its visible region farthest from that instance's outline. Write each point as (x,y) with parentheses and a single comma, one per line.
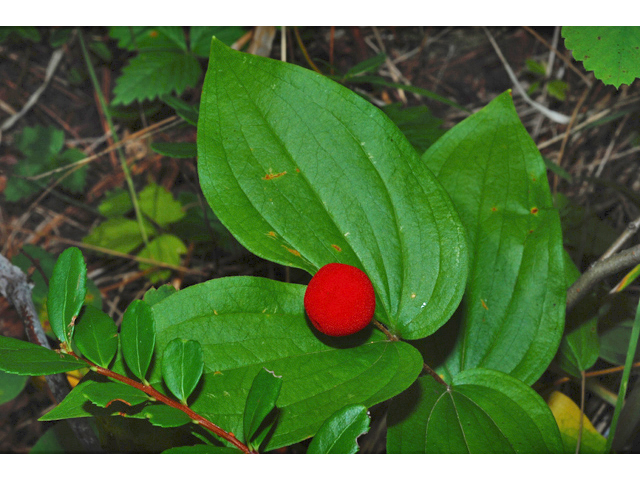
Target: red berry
(340,300)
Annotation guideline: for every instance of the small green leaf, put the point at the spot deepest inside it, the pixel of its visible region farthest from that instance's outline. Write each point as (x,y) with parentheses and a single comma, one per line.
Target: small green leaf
(24,358)
(182,367)
(165,248)
(155,73)
(119,234)
(186,111)
(75,404)
(175,149)
(103,394)
(165,416)
(579,348)
(11,385)
(67,291)
(75,181)
(202,449)
(482,411)
(158,204)
(535,67)
(96,336)
(175,34)
(138,337)
(153,295)
(116,203)
(261,401)
(340,432)
(613,53)
(366,66)
(558,89)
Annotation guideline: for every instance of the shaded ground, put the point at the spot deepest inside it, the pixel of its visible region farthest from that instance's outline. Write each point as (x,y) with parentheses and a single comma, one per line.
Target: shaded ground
(599,156)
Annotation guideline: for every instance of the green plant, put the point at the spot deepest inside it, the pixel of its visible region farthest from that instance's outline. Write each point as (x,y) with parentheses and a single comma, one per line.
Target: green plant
(340,300)
(462,246)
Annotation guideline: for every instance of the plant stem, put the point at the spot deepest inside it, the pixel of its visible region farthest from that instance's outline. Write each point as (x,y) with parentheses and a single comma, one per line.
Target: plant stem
(107,115)
(624,382)
(152,392)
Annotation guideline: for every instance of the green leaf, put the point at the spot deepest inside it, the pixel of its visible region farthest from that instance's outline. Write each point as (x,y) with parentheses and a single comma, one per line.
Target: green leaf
(155,73)
(558,89)
(165,416)
(67,290)
(158,204)
(175,149)
(339,434)
(75,404)
(96,336)
(138,337)
(513,312)
(261,401)
(182,367)
(420,127)
(11,385)
(175,34)
(119,234)
(103,394)
(202,449)
(75,181)
(614,343)
(153,295)
(611,52)
(24,358)
(482,411)
(567,415)
(246,324)
(580,348)
(116,203)
(186,111)
(165,248)
(304,172)
(200,37)
(142,38)
(366,66)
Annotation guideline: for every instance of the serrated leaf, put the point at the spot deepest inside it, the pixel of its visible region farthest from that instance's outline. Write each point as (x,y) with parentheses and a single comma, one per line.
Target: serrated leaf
(175,34)
(304,172)
(24,358)
(164,248)
(67,291)
(245,324)
(202,449)
(182,367)
(200,37)
(96,336)
(513,312)
(175,149)
(11,385)
(137,337)
(103,394)
(155,295)
(141,38)
(340,432)
(119,234)
(611,52)
(482,411)
(261,401)
(116,203)
(567,415)
(158,204)
(155,73)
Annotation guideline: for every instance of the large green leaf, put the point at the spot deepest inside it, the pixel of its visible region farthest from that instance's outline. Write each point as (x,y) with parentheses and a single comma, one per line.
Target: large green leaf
(67,290)
(24,358)
(304,172)
(482,411)
(513,312)
(246,324)
(611,52)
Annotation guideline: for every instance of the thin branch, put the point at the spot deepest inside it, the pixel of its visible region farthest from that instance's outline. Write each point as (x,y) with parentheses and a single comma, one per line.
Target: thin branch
(600,270)
(15,288)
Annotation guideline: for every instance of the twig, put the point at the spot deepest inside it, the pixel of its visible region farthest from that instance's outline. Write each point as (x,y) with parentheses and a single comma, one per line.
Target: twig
(51,68)
(15,288)
(600,270)
(547,112)
(629,232)
(567,61)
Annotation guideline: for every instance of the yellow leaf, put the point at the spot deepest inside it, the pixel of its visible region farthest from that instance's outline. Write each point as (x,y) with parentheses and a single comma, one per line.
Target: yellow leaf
(567,415)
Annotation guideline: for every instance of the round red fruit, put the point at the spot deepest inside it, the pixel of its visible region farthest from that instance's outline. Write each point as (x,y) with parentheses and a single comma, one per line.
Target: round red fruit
(340,300)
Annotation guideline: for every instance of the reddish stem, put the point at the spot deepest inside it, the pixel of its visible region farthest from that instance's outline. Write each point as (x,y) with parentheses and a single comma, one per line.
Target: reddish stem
(152,392)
